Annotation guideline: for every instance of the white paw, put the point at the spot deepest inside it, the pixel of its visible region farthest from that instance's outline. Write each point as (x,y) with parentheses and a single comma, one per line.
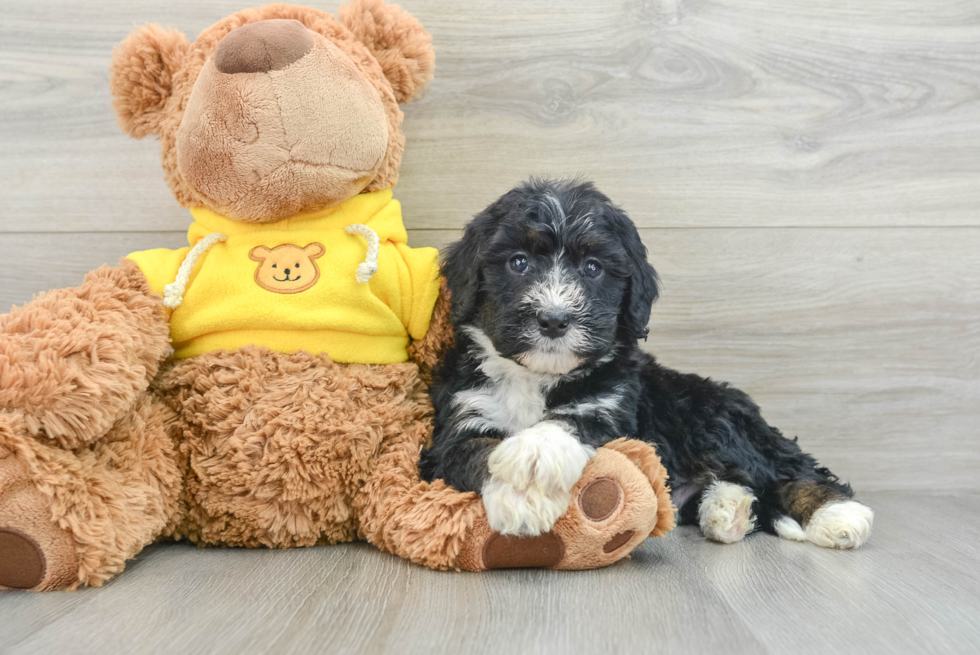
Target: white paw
(844,525)
(726,512)
(531,475)
(522,512)
(787,528)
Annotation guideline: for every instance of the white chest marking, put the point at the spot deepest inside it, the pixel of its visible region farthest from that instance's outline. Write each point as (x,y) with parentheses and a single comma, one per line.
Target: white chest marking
(512,399)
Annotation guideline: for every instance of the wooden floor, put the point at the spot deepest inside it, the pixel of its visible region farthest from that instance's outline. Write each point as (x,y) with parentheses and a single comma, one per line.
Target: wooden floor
(915,588)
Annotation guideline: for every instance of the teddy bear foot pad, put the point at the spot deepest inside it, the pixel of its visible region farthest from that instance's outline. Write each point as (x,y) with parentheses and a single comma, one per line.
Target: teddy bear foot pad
(613,509)
(598,501)
(22,562)
(35,553)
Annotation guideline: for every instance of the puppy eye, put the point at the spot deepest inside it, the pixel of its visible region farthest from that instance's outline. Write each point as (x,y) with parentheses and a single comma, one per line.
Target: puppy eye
(593,268)
(274,266)
(297,265)
(519,263)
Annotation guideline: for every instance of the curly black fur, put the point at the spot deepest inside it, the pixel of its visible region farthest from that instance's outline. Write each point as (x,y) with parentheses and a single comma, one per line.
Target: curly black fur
(600,383)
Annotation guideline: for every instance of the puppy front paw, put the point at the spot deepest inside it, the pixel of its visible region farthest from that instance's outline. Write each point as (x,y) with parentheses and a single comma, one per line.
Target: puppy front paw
(528,512)
(531,476)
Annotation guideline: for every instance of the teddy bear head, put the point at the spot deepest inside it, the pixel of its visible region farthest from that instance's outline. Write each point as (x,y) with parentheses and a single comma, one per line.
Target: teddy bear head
(276,111)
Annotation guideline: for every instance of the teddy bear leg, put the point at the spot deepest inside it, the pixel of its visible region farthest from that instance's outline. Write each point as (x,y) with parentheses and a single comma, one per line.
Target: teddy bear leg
(35,552)
(69,518)
(620,500)
(427,523)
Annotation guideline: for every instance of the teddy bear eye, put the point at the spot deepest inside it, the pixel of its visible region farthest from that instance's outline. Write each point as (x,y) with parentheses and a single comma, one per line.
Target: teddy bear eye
(297,264)
(274,266)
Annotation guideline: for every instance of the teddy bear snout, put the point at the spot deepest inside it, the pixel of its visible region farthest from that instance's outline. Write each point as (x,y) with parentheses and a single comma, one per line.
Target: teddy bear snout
(263,46)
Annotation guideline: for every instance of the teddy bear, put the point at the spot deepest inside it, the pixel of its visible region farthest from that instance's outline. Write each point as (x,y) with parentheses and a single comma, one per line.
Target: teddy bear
(265,386)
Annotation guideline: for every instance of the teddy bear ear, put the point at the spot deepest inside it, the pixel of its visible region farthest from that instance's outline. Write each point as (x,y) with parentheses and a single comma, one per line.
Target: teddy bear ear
(259,254)
(142,69)
(314,250)
(397,40)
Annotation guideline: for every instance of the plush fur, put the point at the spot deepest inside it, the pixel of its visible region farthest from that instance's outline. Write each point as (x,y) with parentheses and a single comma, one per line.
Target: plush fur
(154,72)
(551,291)
(74,361)
(402,47)
(107,444)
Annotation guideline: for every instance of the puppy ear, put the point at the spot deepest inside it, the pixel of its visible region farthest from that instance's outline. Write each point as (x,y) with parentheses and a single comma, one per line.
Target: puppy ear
(643,288)
(463,261)
(142,69)
(397,40)
(461,270)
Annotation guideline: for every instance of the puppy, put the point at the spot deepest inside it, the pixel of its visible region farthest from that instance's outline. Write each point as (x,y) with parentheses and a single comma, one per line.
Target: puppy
(551,291)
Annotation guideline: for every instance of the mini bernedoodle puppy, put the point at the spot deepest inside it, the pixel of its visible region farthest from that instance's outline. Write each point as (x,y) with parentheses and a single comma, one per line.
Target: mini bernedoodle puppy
(551,290)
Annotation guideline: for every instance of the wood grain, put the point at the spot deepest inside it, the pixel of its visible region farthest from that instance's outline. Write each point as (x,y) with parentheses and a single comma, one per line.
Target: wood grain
(864,343)
(688,112)
(908,590)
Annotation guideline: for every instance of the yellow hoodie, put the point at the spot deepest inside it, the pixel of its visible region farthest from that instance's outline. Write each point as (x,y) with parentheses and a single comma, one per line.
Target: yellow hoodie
(294,285)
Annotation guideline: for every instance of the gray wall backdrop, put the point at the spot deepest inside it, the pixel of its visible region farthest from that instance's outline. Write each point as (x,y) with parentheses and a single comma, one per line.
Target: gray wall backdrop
(805,173)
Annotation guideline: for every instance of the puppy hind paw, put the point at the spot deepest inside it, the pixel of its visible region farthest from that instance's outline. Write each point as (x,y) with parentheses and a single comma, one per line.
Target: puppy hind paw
(844,525)
(725,513)
(787,528)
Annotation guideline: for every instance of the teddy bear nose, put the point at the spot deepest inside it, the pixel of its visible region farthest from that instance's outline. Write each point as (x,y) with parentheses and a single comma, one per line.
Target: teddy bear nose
(264,46)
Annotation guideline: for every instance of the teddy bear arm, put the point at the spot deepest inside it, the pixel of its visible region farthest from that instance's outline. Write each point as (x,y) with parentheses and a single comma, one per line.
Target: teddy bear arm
(74,361)
(429,350)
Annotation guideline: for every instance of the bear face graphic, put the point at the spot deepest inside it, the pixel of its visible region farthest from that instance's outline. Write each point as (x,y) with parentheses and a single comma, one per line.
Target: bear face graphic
(287,268)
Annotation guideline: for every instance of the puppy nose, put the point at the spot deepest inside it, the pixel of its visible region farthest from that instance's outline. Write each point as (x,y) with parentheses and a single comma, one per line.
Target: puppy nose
(267,45)
(287,272)
(553,323)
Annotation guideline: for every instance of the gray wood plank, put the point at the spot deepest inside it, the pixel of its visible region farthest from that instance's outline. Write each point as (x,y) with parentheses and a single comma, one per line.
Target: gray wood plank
(845,604)
(851,340)
(690,113)
(864,343)
(901,593)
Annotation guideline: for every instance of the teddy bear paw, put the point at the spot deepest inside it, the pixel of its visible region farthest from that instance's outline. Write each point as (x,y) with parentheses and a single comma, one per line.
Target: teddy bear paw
(34,552)
(612,509)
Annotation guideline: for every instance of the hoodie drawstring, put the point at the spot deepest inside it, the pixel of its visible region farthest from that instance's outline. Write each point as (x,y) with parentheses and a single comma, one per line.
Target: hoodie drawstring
(369,266)
(173,293)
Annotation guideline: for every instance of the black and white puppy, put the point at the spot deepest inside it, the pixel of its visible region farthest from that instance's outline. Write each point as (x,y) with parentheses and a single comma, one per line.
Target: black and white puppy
(551,290)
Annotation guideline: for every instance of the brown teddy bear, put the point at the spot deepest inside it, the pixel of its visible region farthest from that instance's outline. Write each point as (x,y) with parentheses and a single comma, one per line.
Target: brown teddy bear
(264,386)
